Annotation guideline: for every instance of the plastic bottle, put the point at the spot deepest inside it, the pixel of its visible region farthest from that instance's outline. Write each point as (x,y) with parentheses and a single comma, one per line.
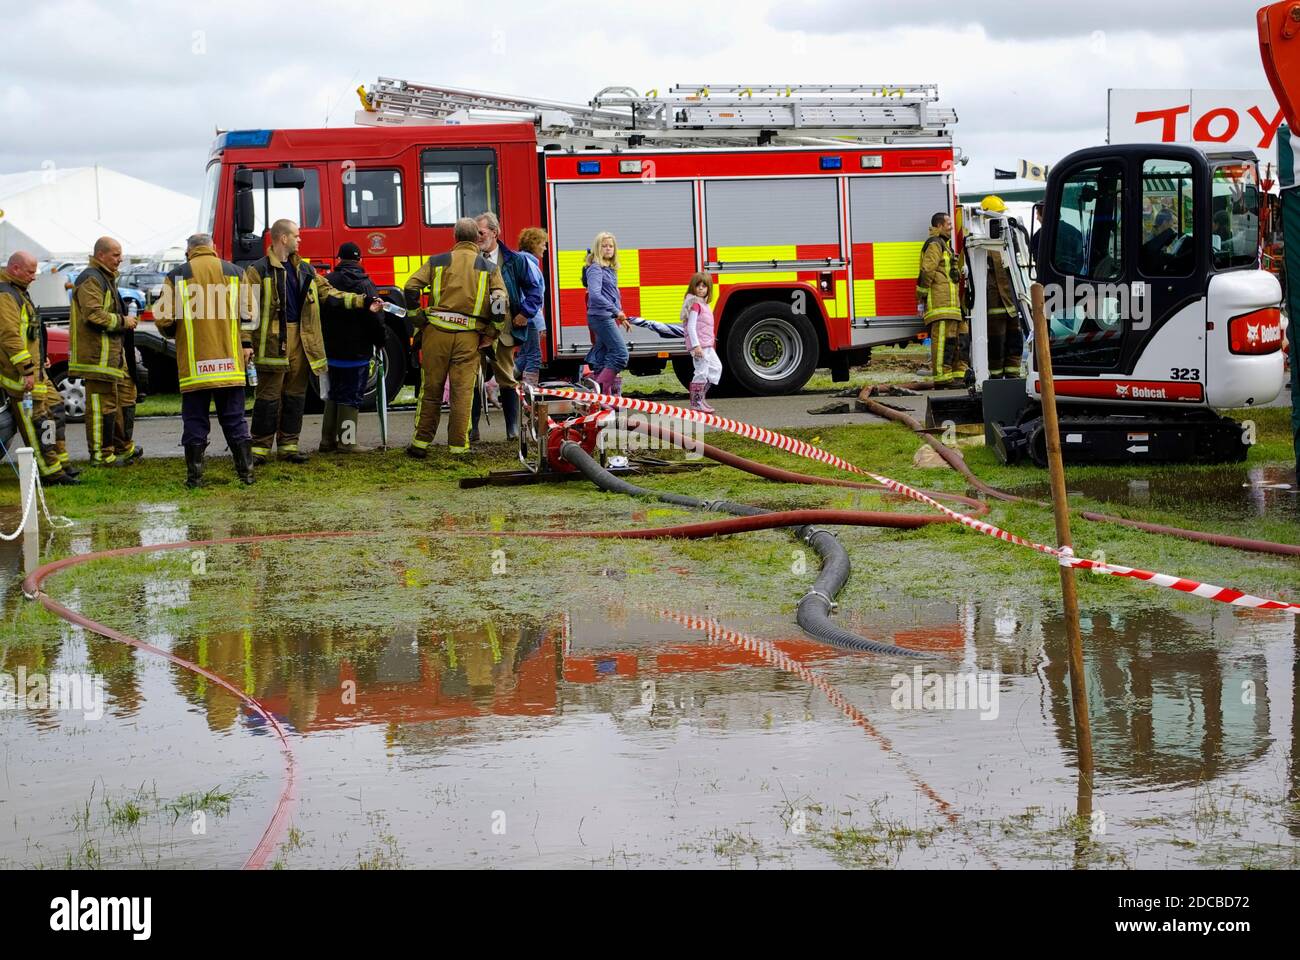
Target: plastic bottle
(27,404)
(394,309)
(250,374)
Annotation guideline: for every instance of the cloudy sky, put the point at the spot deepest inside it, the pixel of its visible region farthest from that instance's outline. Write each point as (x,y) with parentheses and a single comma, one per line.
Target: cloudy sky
(141,86)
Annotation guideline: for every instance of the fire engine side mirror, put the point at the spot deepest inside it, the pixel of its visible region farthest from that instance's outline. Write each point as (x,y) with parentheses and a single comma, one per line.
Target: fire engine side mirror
(290,177)
(243,179)
(244,213)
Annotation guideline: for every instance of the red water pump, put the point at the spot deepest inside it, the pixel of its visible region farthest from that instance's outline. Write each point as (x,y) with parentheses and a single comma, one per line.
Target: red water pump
(546,422)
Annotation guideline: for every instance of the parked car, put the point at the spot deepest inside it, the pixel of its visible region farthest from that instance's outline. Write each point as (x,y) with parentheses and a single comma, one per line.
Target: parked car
(73,389)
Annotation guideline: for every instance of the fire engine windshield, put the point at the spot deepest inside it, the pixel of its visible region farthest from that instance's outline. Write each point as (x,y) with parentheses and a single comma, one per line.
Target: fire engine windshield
(208,206)
(1235,206)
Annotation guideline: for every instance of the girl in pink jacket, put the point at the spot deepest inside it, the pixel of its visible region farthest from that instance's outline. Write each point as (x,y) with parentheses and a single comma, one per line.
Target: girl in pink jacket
(697,321)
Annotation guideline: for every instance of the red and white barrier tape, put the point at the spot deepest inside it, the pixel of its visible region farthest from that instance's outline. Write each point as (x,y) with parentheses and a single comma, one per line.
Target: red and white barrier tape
(799,448)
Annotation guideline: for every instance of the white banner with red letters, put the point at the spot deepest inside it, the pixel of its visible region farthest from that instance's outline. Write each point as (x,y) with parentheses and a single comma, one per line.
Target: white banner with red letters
(1213,119)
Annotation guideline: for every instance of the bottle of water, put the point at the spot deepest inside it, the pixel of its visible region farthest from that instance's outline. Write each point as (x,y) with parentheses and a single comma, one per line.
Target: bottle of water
(250,375)
(27,404)
(394,309)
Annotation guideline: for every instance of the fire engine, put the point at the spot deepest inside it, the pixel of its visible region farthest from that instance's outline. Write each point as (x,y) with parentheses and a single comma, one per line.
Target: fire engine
(807,204)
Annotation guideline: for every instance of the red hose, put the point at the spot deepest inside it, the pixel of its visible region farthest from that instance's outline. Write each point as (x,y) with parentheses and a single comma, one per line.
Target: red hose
(789,476)
(284,806)
(1217,539)
(715,528)
(955,460)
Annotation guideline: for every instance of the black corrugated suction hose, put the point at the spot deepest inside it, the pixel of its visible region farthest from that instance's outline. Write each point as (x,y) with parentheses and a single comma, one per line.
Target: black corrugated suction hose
(815,606)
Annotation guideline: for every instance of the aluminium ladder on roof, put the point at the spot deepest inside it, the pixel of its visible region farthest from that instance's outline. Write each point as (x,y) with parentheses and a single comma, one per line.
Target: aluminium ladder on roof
(721,114)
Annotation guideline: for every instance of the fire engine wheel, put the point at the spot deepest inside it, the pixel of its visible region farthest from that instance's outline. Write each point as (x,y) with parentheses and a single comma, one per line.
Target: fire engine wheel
(771,350)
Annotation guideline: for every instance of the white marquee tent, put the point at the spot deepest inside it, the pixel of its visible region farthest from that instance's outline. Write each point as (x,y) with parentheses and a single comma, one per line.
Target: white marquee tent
(58,214)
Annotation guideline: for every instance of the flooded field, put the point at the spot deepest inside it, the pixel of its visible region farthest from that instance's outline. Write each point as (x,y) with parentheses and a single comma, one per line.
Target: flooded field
(633,733)
(1236,492)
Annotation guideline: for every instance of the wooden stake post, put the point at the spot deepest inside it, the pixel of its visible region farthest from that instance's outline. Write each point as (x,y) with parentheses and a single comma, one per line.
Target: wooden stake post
(1069,593)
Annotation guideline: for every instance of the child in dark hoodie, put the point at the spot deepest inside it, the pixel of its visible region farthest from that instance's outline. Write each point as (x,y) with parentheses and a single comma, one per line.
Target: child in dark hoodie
(350,339)
(608,353)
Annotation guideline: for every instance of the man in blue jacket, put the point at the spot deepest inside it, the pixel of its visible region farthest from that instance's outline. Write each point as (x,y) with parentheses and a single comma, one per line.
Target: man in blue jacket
(502,355)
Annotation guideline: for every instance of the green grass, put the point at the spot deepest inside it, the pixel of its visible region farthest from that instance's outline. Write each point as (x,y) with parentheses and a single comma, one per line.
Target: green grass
(425,562)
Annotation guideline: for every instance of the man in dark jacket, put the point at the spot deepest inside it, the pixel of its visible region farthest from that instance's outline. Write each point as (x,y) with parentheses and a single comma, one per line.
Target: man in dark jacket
(350,338)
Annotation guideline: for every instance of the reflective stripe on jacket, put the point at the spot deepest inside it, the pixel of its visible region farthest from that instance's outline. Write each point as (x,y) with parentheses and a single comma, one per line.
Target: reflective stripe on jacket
(201,307)
(937,283)
(20,341)
(96,326)
(1000,298)
(267,279)
(462,283)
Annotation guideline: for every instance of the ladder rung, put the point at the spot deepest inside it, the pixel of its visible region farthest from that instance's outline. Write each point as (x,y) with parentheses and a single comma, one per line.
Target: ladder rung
(928,91)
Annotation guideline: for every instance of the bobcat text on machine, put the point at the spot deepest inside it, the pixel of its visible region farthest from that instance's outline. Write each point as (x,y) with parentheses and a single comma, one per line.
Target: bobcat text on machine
(1159,311)
(808,204)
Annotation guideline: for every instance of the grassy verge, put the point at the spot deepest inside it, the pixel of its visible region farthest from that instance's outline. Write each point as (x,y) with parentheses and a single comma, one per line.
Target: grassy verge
(428,558)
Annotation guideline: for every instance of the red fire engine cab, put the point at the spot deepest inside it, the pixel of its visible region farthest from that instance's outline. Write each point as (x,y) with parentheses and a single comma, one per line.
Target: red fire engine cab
(808,205)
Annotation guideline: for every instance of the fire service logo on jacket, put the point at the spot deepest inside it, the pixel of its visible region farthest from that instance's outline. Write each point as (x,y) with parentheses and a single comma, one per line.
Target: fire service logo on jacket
(205,367)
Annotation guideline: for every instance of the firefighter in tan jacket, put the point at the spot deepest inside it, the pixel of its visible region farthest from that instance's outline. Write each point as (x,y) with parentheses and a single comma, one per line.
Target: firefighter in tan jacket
(937,291)
(1003,320)
(202,307)
(97,355)
(22,372)
(1005,340)
(288,342)
(467,310)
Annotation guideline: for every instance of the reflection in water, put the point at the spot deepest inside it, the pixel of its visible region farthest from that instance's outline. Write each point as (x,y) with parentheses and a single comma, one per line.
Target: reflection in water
(1167,707)
(1176,702)
(1229,492)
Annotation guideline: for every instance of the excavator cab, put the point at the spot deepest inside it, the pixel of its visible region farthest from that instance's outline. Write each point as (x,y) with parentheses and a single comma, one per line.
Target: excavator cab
(1158,312)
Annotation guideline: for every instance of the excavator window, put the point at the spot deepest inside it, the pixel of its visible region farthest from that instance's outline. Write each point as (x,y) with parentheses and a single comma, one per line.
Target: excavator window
(1089,228)
(1234,200)
(1084,312)
(1168,218)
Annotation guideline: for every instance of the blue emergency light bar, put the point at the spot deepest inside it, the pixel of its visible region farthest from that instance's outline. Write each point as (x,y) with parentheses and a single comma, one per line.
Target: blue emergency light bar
(244,138)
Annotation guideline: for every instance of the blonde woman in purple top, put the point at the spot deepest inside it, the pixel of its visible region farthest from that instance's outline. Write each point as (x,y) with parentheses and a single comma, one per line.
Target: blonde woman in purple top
(608,354)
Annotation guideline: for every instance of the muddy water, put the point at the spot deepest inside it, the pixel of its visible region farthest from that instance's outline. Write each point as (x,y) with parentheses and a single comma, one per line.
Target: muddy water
(1235,493)
(630,736)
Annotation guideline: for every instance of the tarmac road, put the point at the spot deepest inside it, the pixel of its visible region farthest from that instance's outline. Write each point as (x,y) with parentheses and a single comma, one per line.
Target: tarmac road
(160,436)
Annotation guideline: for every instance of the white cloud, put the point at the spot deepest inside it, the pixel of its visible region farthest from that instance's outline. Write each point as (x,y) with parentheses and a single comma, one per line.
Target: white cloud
(121,84)
(1017,18)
